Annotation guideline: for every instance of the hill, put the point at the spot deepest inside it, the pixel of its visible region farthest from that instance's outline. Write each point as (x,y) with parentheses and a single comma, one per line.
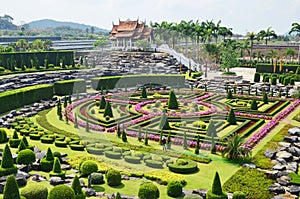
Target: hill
(49,23)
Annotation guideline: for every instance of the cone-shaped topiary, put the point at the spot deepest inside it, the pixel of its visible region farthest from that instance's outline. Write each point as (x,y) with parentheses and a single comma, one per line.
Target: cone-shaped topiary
(229,94)
(146,138)
(3,135)
(102,102)
(119,130)
(231,117)
(216,191)
(56,166)
(24,139)
(118,196)
(256,77)
(172,102)
(140,134)
(49,155)
(65,102)
(21,146)
(7,160)
(144,92)
(185,144)
(108,110)
(87,125)
(265,98)
(197,148)
(253,105)
(211,130)
(11,189)
(15,135)
(124,137)
(76,186)
(164,122)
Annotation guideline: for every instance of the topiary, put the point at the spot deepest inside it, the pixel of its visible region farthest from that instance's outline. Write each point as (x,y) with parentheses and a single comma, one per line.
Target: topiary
(35,191)
(21,146)
(172,101)
(97,178)
(238,195)
(79,194)
(144,92)
(174,189)
(7,160)
(164,122)
(48,161)
(108,110)
(231,117)
(26,157)
(11,189)
(118,196)
(257,77)
(87,167)
(148,190)
(229,94)
(265,98)
(3,135)
(216,191)
(102,102)
(61,191)
(253,105)
(192,196)
(113,177)
(56,166)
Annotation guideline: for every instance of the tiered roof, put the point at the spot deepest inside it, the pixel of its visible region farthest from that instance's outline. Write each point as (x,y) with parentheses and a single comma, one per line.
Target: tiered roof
(130,29)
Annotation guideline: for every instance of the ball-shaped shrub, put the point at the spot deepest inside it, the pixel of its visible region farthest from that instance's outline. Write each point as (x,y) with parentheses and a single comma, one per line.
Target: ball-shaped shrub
(113,177)
(34,191)
(26,157)
(192,196)
(88,167)
(238,195)
(97,178)
(174,189)
(61,191)
(148,190)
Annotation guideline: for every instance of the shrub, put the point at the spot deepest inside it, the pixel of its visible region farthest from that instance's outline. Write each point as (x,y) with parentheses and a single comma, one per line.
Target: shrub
(238,195)
(164,122)
(253,105)
(144,92)
(216,192)
(113,155)
(21,146)
(7,160)
(113,177)
(26,157)
(33,136)
(47,140)
(14,143)
(87,167)
(252,182)
(79,194)
(108,110)
(148,190)
(174,189)
(183,166)
(256,77)
(192,196)
(231,117)
(61,191)
(35,191)
(132,159)
(229,94)
(273,80)
(62,144)
(154,164)
(11,189)
(172,101)
(97,178)
(3,135)
(77,147)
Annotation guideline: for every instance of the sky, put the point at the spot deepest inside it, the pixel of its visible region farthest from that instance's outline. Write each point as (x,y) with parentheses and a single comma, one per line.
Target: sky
(241,15)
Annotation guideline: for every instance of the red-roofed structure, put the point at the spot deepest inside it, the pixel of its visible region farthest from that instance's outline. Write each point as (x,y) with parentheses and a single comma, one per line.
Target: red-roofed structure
(128,32)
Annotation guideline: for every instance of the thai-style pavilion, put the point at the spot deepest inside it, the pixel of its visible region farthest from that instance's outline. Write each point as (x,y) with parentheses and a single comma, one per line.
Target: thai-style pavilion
(126,33)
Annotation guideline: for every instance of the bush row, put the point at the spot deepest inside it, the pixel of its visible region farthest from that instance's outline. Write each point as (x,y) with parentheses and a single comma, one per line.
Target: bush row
(69,87)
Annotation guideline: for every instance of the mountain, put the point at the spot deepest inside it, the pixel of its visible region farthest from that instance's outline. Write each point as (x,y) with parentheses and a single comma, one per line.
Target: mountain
(49,23)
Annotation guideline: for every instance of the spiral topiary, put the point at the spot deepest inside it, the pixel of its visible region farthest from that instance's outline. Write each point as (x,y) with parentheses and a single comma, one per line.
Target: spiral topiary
(34,191)
(87,167)
(61,191)
(113,177)
(148,190)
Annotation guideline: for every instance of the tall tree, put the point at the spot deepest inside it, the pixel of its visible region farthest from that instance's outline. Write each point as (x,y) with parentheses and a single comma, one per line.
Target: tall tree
(251,37)
(267,35)
(185,28)
(296,29)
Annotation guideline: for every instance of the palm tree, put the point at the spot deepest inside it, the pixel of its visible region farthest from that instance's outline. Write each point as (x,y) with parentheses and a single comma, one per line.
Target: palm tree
(260,56)
(198,31)
(22,44)
(267,35)
(290,53)
(235,150)
(251,37)
(244,46)
(296,29)
(185,28)
(223,31)
(271,55)
(47,44)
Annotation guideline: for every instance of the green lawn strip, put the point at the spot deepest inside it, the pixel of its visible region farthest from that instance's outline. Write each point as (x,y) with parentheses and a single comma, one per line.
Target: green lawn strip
(228,129)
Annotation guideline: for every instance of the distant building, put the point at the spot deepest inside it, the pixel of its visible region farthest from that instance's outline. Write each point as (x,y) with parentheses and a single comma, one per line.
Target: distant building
(128,32)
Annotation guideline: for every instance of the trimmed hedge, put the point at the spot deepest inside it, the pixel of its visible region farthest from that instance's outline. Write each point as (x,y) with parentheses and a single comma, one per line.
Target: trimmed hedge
(97,178)
(77,147)
(192,196)
(34,191)
(174,189)
(183,166)
(62,144)
(61,191)
(87,167)
(14,143)
(132,159)
(69,87)
(148,191)
(113,155)
(19,58)
(26,157)
(133,80)
(33,136)
(268,68)
(113,177)
(13,99)
(154,164)
(47,140)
